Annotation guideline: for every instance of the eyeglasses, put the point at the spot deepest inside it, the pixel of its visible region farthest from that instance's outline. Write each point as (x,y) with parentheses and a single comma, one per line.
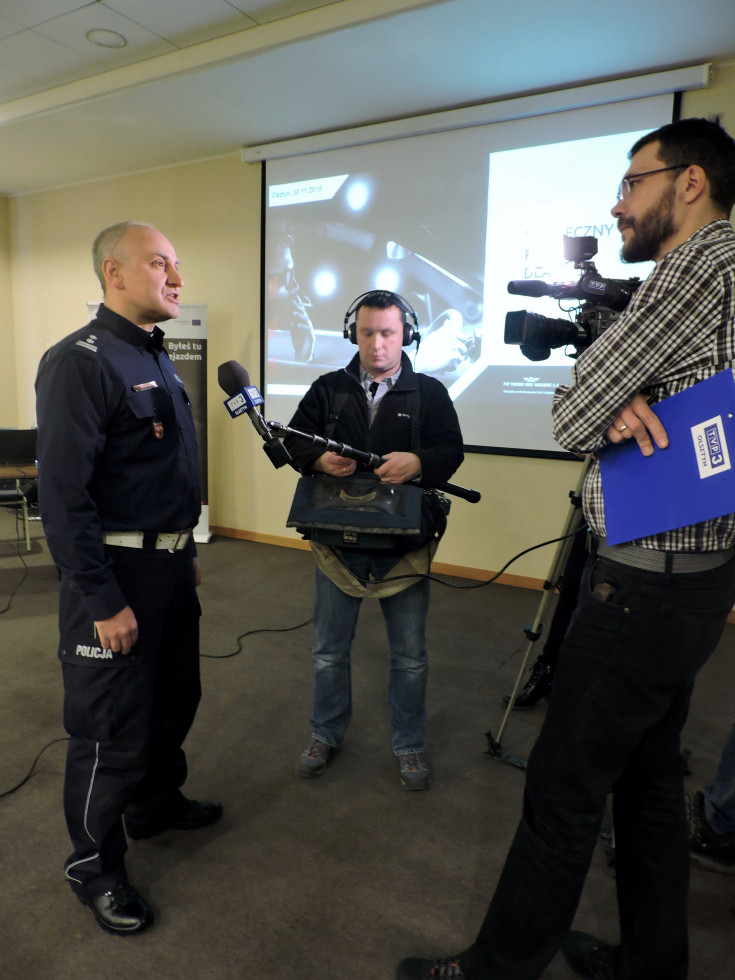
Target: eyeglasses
(625,186)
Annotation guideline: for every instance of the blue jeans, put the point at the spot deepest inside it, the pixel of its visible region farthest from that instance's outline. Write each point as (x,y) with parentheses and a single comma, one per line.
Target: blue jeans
(719,797)
(335,619)
(620,699)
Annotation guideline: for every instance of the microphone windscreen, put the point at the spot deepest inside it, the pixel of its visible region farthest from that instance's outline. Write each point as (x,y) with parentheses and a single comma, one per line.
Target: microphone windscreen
(528,287)
(232,376)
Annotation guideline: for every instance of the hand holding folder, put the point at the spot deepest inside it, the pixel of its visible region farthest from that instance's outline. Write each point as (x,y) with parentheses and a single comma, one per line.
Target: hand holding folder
(690,481)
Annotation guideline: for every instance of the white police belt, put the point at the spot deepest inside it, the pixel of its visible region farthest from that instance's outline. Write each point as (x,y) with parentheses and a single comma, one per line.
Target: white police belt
(165,541)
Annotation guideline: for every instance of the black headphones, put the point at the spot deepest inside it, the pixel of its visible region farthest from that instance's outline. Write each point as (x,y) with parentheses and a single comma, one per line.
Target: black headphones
(410,332)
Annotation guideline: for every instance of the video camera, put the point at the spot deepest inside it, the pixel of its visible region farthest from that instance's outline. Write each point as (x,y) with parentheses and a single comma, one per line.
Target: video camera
(602,301)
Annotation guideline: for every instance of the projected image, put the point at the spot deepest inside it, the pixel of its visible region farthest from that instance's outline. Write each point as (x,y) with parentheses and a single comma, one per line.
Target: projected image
(536,195)
(358,240)
(447,220)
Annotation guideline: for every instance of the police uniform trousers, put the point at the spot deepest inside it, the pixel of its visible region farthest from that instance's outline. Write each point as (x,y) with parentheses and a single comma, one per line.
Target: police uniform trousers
(127,716)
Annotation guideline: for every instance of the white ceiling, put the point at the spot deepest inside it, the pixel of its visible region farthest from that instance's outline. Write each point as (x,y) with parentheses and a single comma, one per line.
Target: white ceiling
(201,78)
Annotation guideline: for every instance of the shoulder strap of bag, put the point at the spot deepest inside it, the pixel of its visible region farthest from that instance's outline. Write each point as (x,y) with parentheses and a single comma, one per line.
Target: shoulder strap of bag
(415,413)
(337,405)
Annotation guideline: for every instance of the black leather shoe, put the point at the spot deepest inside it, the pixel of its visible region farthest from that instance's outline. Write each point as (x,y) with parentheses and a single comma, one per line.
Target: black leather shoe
(537,686)
(187,815)
(121,911)
(716,851)
(591,959)
(416,968)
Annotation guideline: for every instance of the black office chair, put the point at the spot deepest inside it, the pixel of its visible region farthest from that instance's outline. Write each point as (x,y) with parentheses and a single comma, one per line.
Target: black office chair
(18,489)
(20,494)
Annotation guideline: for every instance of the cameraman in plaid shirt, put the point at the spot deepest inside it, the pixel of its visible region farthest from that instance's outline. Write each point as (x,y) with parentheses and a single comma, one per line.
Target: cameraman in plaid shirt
(650,612)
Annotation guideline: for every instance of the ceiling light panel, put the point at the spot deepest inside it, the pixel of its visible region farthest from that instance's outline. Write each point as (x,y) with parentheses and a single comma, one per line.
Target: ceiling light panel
(30,13)
(184,22)
(72,30)
(32,54)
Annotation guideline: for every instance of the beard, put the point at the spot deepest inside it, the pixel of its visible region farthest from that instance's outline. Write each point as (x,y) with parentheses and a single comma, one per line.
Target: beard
(650,230)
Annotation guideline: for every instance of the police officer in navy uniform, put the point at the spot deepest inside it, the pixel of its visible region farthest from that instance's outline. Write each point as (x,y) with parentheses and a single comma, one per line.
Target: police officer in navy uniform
(119,492)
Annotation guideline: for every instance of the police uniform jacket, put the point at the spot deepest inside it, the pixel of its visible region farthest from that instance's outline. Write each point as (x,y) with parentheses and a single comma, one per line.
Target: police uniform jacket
(116,450)
(440,438)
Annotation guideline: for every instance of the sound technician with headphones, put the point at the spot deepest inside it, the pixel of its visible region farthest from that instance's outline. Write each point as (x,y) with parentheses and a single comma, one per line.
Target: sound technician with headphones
(380,405)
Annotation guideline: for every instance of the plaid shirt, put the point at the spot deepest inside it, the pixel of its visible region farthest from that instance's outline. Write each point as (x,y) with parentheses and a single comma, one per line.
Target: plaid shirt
(678,330)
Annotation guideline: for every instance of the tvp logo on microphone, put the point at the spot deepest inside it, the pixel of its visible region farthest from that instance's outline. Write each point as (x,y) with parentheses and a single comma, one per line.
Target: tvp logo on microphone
(243,401)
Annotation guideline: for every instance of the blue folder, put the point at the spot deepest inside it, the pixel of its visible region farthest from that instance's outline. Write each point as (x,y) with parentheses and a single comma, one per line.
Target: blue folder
(692,480)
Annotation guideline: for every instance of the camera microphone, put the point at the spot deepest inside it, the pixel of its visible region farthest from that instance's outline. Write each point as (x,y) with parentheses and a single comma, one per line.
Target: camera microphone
(528,287)
(535,287)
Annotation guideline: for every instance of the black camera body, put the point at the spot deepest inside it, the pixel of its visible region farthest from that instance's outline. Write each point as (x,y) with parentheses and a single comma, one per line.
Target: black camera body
(601,303)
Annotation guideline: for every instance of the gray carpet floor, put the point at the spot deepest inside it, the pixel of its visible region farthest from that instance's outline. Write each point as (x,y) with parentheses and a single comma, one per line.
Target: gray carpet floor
(329,879)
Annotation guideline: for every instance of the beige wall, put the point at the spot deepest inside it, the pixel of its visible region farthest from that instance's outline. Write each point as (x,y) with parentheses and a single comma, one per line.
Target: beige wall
(8,389)
(211,212)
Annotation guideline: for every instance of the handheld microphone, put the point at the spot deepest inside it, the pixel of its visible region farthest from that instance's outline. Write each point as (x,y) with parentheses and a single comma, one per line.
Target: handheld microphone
(245,398)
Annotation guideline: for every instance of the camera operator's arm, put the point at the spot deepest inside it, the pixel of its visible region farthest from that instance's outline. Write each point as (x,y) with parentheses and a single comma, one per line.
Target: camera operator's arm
(638,421)
(666,340)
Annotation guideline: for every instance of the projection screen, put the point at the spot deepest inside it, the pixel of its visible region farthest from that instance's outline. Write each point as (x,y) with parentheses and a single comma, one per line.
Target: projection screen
(446,220)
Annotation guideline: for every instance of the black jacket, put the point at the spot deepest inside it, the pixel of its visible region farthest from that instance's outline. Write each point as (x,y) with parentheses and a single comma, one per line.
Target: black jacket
(116,450)
(440,438)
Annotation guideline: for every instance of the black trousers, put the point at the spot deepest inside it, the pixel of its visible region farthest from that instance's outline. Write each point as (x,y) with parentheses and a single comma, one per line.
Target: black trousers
(127,716)
(620,699)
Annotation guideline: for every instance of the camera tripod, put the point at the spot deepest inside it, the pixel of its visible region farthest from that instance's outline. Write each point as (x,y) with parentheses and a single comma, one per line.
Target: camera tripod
(564,575)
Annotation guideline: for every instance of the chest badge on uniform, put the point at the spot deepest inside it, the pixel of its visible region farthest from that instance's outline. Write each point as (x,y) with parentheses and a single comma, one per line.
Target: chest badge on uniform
(157,429)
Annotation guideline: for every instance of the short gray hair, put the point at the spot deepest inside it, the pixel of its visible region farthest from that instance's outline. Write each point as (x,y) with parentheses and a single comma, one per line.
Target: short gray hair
(106,243)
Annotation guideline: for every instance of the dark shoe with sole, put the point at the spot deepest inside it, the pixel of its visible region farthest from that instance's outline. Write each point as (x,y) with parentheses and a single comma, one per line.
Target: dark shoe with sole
(536,688)
(416,968)
(591,959)
(186,815)
(414,771)
(707,847)
(120,912)
(313,760)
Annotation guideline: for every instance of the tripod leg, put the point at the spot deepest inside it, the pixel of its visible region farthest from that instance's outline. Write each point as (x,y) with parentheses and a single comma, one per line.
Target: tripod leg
(539,683)
(533,632)
(570,533)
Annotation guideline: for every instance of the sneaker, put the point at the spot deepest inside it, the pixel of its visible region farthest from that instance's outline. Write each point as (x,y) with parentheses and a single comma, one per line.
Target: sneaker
(415,773)
(591,959)
(417,969)
(716,851)
(313,760)
(537,687)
